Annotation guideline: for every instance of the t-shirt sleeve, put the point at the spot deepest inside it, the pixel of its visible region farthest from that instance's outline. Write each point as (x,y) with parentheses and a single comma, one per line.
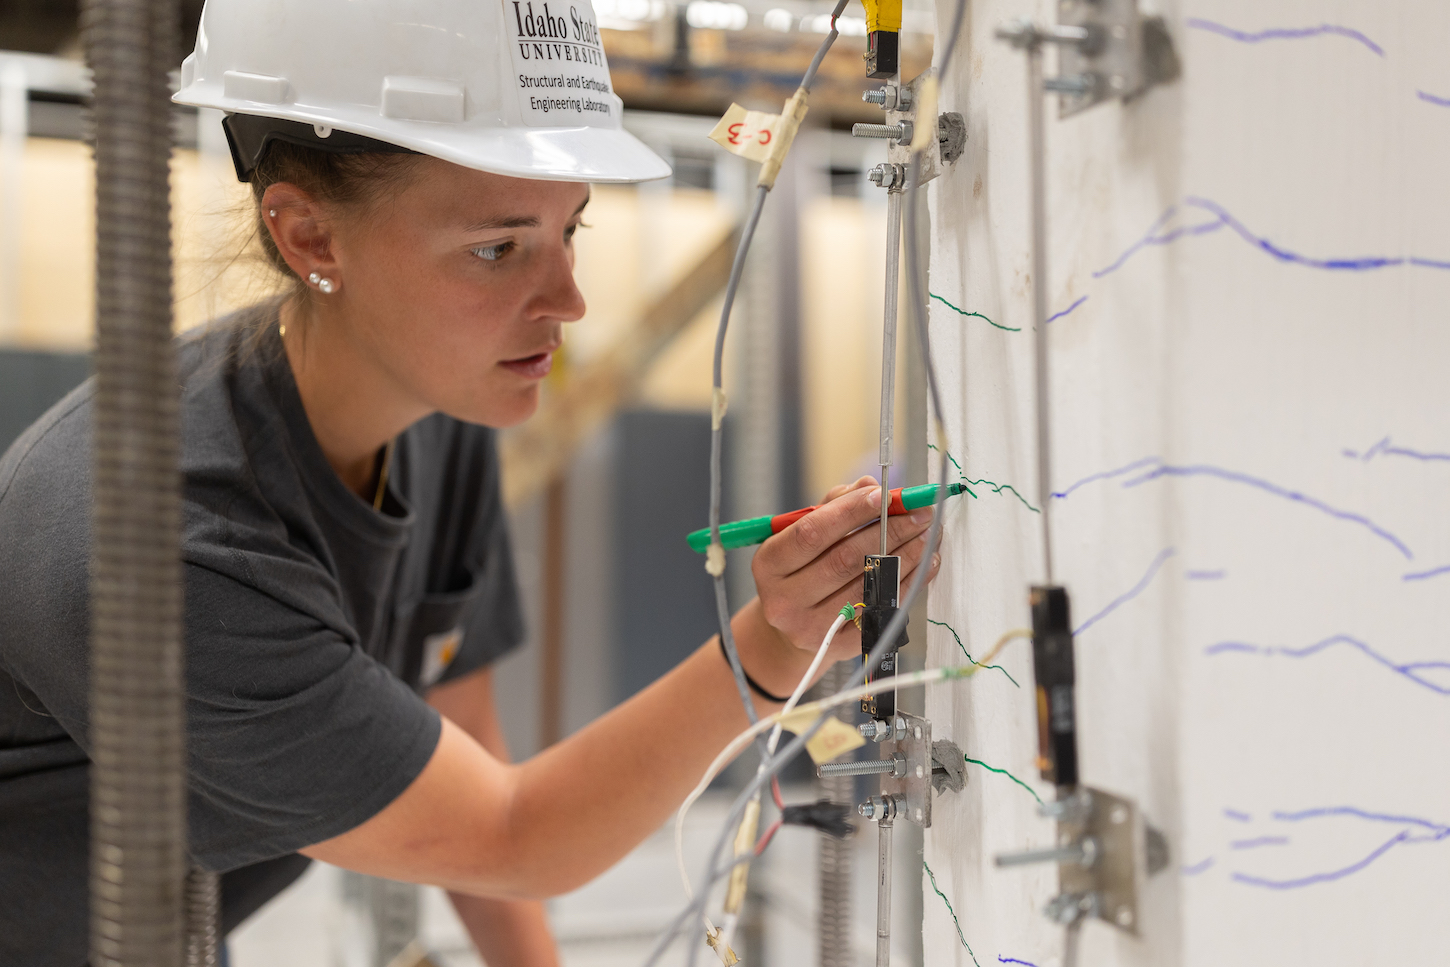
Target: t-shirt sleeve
(295,734)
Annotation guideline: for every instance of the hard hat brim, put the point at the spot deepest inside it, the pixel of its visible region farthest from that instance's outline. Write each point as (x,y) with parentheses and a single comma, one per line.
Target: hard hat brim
(587,154)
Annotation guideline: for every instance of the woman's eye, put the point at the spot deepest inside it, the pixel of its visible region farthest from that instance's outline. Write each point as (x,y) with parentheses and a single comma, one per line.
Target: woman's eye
(492,253)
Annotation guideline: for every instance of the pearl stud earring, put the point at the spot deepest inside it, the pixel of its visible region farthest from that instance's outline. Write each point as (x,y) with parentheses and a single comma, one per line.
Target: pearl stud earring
(314,278)
(326,286)
(273,213)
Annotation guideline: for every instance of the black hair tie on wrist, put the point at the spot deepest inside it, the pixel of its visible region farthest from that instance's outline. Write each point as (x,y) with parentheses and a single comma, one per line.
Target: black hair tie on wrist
(754,685)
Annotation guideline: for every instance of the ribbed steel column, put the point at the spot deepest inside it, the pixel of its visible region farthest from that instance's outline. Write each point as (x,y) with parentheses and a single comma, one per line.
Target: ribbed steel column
(138,803)
(835,858)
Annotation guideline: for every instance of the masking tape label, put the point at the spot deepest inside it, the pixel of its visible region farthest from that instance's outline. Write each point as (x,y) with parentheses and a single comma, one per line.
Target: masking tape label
(750,134)
(834,739)
(560,72)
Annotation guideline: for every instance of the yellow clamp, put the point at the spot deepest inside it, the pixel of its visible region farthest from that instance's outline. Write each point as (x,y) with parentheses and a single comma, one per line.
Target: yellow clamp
(883,15)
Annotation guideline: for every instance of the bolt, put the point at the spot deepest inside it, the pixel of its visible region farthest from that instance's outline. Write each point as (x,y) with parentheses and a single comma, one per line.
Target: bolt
(878,96)
(878,808)
(920,772)
(874,730)
(1083,853)
(889,176)
(918,731)
(896,765)
(889,132)
(918,815)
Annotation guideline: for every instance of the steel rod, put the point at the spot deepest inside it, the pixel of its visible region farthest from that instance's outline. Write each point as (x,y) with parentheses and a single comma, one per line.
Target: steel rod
(1037,166)
(888,352)
(883,895)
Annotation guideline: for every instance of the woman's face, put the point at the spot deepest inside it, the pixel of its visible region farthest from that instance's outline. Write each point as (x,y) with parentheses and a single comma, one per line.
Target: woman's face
(458,286)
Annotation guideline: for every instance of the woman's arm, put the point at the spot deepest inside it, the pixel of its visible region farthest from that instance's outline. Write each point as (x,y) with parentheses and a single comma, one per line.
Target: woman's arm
(476,825)
(507,933)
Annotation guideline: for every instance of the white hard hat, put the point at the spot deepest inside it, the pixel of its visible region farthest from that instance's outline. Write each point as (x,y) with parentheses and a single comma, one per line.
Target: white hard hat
(515,87)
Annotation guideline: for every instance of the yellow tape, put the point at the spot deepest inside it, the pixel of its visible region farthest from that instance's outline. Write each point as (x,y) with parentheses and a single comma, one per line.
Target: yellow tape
(834,739)
(925,134)
(719,403)
(744,843)
(883,15)
(785,131)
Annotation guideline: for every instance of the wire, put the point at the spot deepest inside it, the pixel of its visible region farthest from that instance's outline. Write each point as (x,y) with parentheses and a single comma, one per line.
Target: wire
(898,622)
(769,835)
(770,744)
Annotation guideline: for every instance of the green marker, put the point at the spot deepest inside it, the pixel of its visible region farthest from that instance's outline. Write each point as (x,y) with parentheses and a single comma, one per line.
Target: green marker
(743,533)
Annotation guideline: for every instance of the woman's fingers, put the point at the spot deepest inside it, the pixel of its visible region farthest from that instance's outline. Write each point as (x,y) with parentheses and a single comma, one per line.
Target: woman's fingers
(909,548)
(841,489)
(816,533)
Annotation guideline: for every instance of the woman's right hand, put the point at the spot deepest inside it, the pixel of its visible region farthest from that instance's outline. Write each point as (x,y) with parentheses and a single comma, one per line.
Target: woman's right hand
(813,568)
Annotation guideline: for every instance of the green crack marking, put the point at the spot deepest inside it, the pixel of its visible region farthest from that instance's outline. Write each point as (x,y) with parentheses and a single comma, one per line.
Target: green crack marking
(963,647)
(1004,772)
(964,312)
(996,487)
(960,935)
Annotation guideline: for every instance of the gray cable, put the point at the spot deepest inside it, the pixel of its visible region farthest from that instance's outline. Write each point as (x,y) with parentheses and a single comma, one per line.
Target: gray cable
(137,721)
(897,624)
(737,267)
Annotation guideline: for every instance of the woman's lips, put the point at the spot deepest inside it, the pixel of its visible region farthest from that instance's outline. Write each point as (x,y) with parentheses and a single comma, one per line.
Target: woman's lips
(536,366)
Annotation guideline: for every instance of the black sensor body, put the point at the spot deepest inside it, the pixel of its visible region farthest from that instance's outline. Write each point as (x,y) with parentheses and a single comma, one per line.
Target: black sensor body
(883,53)
(1056,674)
(881,596)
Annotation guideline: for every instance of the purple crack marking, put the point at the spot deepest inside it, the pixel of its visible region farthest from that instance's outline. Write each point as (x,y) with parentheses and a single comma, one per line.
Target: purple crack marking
(1152,237)
(1237,816)
(1058,315)
(1014,960)
(1258,841)
(1107,475)
(1205,575)
(1283,33)
(1196,868)
(1440,830)
(1437,832)
(1233,476)
(1408,670)
(1386,448)
(1131,593)
(1314,878)
(1359,264)
(1422,575)
(1429,98)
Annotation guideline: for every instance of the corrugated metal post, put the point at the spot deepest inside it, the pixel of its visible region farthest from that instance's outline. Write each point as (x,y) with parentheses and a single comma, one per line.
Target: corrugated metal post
(138,786)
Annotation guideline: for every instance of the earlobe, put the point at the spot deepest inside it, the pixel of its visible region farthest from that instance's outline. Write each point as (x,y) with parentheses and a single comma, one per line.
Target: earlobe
(301,235)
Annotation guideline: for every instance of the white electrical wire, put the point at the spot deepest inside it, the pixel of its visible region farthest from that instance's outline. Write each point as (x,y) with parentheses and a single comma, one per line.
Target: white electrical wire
(717,765)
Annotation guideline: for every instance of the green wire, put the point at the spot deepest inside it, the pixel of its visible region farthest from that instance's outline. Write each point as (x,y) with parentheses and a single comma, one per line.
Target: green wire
(960,935)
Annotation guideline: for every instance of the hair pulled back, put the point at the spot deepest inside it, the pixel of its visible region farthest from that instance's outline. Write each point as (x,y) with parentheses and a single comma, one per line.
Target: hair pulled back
(350,182)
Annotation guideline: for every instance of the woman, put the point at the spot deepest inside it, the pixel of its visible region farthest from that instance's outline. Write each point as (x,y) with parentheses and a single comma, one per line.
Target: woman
(346,560)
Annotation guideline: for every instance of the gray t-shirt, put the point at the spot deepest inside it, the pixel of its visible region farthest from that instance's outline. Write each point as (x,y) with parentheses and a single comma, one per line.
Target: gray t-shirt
(313,624)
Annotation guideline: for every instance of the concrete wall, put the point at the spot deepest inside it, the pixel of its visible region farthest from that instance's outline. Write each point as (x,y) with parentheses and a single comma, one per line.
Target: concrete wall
(1250,441)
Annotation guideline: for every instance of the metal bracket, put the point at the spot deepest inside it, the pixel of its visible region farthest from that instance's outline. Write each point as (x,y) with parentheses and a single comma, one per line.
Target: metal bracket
(913,789)
(1123,55)
(900,108)
(1105,852)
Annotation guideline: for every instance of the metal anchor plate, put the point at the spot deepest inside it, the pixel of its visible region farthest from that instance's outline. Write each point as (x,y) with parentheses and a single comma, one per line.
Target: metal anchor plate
(914,788)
